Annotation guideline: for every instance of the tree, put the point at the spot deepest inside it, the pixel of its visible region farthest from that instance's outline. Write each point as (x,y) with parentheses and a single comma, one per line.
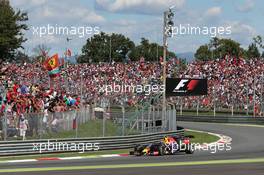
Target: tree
(21,57)
(41,51)
(219,48)
(150,51)
(203,53)
(229,47)
(213,45)
(11,30)
(258,40)
(105,48)
(253,51)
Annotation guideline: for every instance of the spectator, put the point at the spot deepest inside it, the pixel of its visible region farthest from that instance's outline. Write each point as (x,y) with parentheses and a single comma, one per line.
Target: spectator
(23,126)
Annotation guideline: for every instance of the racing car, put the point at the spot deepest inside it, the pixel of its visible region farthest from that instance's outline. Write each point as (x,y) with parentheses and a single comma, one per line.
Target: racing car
(169,145)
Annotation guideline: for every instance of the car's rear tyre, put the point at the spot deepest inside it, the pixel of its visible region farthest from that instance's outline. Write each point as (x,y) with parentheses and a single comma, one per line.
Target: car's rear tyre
(138,150)
(161,150)
(189,149)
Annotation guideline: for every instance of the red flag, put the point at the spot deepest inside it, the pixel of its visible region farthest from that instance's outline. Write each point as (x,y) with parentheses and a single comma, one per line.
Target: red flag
(68,53)
(52,62)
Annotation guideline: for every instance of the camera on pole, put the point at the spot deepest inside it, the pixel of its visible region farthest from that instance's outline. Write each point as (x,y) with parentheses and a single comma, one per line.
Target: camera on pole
(167,32)
(169,22)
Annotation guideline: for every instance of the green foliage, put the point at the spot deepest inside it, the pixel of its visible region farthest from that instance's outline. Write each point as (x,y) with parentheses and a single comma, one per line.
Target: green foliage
(150,51)
(253,51)
(97,49)
(21,57)
(203,53)
(213,45)
(11,30)
(258,41)
(104,48)
(218,48)
(228,47)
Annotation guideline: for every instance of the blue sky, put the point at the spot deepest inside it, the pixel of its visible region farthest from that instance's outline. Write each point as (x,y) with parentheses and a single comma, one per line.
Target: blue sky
(141,18)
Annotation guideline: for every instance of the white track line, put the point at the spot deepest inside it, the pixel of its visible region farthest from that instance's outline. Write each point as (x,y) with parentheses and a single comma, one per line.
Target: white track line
(19,161)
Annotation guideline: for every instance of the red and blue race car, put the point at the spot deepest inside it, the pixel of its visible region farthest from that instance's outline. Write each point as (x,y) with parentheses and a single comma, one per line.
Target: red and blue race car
(169,145)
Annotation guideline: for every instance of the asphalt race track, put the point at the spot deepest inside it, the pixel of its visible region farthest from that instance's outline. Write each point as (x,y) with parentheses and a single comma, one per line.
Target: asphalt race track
(246,156)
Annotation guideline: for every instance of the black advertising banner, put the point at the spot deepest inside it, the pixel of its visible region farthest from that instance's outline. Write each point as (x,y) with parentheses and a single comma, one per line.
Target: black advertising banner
(186,87)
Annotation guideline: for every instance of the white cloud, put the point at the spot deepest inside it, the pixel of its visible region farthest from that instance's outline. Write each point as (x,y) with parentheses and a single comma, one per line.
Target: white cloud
(138,6)
(49,11)
(247,6)
(43,12)
(27,2)
(241,28)
(214,11)
(241,32)
(69,13)
(125,23)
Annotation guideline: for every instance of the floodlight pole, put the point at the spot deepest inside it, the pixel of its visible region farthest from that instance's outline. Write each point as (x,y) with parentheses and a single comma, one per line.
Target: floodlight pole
(165,44)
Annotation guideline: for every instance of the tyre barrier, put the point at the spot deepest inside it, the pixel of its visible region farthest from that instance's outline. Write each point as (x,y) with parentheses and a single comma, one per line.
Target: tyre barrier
(222,119)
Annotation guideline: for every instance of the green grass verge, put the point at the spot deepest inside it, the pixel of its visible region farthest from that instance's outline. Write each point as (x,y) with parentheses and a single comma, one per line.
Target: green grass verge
(201,137)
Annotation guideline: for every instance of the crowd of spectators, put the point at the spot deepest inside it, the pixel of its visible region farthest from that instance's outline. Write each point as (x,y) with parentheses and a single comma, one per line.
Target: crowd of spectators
(232,82)
(27,88)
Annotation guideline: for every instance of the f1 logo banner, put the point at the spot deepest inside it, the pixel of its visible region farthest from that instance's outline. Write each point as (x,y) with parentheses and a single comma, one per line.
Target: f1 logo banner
(186,87)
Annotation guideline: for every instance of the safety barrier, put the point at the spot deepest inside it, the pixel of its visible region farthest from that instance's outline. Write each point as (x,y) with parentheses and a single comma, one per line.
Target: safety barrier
(11,148)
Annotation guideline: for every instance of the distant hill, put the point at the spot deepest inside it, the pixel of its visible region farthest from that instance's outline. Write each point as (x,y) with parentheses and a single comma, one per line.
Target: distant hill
(188,55)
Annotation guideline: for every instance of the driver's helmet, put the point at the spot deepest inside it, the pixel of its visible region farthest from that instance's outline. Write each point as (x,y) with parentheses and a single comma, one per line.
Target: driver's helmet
(168,140)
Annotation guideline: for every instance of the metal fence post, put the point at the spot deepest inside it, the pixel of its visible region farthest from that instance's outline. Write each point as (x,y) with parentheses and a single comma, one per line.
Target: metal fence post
(153,118)
(181,107)
(142,121)
(5,122)
(77,125)
(197,108)
(254,97)
(174,118)
(5,126)
(123,120)
(247,98)
(137,118)
(41,128)
(169,117)
(103,124)
(214,100)
(149,113)
(104,119)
